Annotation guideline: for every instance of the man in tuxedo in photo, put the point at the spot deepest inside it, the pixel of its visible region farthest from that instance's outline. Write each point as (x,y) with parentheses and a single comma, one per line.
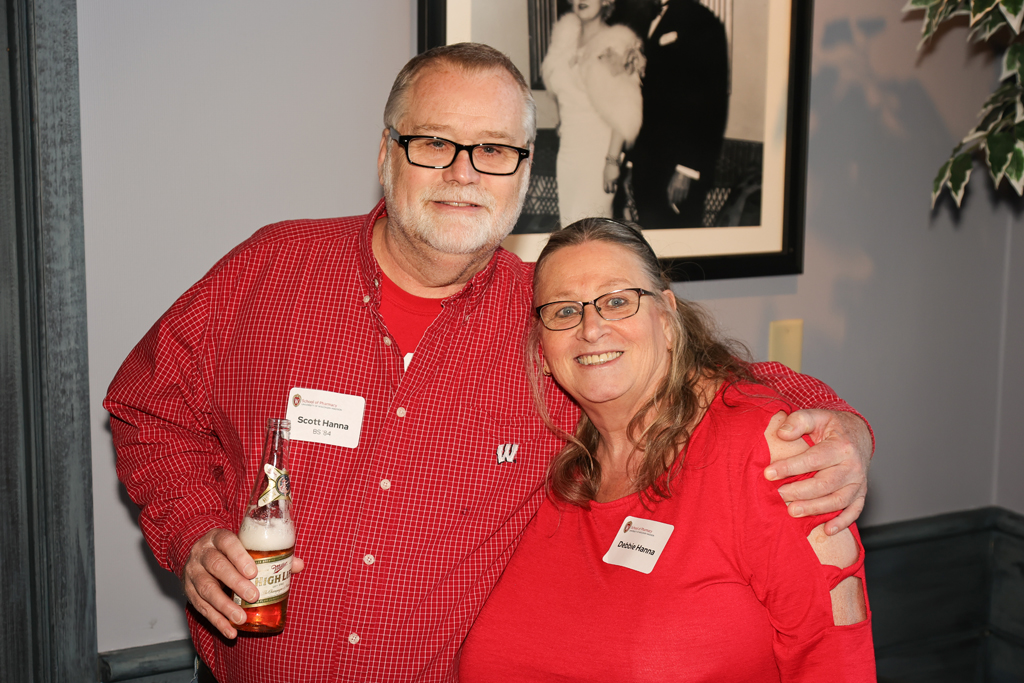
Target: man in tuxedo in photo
(686,105)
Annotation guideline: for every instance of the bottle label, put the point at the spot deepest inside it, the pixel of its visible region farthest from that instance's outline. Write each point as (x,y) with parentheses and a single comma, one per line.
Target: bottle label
(278,486)
(273,575)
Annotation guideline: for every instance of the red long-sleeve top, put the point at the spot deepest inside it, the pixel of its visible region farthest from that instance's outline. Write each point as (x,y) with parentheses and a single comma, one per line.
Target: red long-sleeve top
(737,594)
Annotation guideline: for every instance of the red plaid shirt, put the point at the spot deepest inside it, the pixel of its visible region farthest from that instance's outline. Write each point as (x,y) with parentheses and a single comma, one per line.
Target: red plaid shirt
(404,535)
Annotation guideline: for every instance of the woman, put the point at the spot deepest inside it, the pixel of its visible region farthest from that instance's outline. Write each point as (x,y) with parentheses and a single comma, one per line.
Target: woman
(660,552)
(593,70)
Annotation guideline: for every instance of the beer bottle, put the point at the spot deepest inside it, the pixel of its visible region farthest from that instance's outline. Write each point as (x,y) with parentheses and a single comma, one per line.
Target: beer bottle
(268,533)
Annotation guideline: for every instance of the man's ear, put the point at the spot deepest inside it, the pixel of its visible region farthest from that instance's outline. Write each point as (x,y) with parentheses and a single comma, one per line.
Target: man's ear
(385,138)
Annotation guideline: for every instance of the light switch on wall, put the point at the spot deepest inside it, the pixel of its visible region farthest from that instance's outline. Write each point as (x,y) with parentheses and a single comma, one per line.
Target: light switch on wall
(786,342)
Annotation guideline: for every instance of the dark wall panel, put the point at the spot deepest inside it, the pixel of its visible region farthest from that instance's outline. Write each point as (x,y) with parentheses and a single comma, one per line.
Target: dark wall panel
(49,630)
(906,584)
(1008,585)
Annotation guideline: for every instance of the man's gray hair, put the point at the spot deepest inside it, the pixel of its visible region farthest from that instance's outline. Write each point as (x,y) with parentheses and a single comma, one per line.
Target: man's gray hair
(470,57)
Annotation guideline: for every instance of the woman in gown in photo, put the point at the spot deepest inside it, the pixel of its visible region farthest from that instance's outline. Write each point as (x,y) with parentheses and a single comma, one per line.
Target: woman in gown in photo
(594,71)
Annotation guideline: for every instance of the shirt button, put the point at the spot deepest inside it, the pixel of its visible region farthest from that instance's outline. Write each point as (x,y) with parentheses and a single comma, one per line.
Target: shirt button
(400,412)
(376,282)
(369,559)
(353,638)
(366,299)
(387,341)
(385,484)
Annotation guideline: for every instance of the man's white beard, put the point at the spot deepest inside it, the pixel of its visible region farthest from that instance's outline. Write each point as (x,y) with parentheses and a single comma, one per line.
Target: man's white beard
(446,235)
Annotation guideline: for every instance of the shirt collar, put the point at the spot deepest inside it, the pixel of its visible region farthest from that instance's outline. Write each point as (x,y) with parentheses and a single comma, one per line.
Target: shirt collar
(368,266)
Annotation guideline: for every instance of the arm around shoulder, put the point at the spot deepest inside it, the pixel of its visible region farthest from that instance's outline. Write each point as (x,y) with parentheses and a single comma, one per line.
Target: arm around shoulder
(840,550)
(819,637)
(841,454)
(805,392)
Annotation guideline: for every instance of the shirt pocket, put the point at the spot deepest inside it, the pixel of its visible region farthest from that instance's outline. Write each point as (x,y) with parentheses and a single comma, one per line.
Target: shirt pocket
(507,464)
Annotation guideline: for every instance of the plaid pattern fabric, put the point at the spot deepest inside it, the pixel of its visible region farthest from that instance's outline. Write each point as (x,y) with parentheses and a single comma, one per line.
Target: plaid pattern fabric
(404,535)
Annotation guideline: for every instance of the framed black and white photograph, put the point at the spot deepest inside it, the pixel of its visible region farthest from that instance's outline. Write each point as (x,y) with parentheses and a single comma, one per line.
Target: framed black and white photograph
(687,117)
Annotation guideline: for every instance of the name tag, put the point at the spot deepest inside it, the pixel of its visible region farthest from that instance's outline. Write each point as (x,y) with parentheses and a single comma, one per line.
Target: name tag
(325,417)
(668,38)
(638,544)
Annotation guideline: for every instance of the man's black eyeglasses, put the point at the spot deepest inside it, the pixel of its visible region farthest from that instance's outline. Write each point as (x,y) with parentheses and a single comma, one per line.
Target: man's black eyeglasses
(433,152)
(617,305)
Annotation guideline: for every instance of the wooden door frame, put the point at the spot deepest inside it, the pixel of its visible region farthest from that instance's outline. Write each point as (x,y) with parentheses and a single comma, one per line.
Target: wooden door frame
(48,634)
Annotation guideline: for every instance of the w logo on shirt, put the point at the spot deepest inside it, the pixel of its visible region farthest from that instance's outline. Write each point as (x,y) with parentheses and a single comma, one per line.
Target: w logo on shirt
(507,452)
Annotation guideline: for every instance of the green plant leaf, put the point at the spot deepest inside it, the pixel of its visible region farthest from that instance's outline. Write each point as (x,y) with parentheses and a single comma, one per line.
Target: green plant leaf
(998,148)
(979,8)
(971,141)
(937,12)
(1015,169)
(1013,62)
(1008,118)
(940,180)
(1004,93)
(999,133)
(1000,108)
(1001,95)
(993,117)
(987,27)
(930,24)
(1013,10)
(989,118)
(959,176)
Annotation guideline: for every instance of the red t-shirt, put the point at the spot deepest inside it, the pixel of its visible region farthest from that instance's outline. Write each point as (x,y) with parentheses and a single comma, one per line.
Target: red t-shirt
(737,594)
(406,316)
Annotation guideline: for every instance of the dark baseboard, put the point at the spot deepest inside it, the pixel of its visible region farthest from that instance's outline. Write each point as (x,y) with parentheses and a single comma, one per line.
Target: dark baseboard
(947,597)
(160,663)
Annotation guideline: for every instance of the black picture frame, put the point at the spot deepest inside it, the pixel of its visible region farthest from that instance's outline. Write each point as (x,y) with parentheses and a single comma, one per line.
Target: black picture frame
(733,262)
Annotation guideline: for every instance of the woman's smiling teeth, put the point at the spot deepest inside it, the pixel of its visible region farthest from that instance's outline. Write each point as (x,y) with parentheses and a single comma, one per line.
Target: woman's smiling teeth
(598,359)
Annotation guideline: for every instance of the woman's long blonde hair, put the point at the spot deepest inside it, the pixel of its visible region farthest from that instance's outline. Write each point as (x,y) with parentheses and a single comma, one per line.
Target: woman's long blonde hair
(699,357)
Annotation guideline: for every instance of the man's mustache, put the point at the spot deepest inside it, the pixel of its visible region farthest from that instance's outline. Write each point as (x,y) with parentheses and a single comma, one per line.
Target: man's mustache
(461,196)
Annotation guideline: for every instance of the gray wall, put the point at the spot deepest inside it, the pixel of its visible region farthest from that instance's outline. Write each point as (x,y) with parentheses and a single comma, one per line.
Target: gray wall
(203,121)
(904,310)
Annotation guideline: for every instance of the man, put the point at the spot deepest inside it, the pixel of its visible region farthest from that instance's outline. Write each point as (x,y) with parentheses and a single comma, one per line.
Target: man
(403,531)
(686,105)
